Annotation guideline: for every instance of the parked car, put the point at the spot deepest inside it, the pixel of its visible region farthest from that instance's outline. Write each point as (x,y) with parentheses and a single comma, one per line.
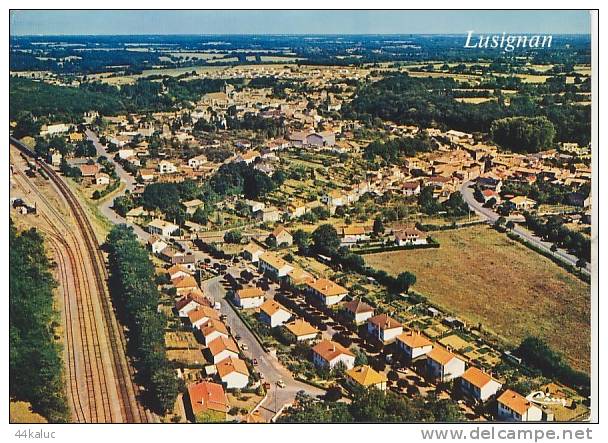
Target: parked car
(237,336)
(255,362)
(281,384)
(244,347)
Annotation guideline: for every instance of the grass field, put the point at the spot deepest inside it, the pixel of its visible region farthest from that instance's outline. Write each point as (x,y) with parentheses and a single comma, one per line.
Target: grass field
(21,412)
(482,276)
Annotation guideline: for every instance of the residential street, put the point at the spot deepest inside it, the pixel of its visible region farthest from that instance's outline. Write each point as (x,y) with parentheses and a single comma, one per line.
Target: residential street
(268,365)
(106,206)
(467,194)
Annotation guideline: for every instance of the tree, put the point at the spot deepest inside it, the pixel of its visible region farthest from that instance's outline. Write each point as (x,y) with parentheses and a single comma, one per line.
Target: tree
(302,240)
(427,201)
(523,134)
(325,240)
(26,126)
(554,248)
(233,236)
(360,357)
(500,221)
(581,263)
(510,225)
(404,281)
(200,216)
(378,226)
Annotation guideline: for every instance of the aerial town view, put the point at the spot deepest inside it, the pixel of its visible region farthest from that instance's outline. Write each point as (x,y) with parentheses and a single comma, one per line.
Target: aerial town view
(320,225)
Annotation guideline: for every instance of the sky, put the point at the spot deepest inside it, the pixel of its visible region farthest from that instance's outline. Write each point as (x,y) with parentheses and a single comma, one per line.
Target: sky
(136,22)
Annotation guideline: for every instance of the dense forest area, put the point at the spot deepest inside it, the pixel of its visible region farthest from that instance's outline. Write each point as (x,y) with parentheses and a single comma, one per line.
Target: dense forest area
(429,102)
(35,363)
(134,291)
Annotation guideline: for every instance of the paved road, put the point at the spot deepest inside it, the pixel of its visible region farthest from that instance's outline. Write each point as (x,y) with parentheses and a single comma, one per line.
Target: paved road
(106,206)
(268,365)
(467,194)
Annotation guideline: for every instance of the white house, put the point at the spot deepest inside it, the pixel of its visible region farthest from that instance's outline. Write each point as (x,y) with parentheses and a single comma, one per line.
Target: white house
(366,377)
(522,203)
(162,227)
(255,206)
(156,244)
(411,236)
(166,167)
(233,372)
(327,291)
(273,314)
(413,344)
(125,153)
(478,385)
(274,266)
(442,365)
(269,214)
(359,311)
(249,298)
(328,354)
(176,271)
(302,330)
(353,234)
(101,178)
(282,236)
(201,315)
(253,252)
(189,303)
(197,161)
(222,348)
(212,330)
(411,188)
(384,328)
(515,407)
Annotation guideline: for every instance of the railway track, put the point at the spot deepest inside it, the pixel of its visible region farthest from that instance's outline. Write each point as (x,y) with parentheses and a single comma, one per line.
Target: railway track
(131,409)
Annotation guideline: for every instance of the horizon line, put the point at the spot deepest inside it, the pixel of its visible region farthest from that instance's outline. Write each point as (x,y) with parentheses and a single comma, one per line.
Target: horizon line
(292,34)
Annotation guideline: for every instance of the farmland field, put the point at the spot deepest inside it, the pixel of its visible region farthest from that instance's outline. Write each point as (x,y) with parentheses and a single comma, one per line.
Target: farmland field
(484,277)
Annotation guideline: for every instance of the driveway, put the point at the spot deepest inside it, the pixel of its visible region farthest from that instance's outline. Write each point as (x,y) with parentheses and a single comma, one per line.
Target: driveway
(270,367)
(467,194)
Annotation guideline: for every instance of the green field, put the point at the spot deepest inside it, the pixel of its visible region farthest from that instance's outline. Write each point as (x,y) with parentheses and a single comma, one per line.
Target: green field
(481,275)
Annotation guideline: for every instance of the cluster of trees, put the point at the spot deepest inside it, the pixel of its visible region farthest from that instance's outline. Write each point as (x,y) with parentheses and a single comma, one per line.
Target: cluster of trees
(554,230)
(136,295)
(240,178)
(372,406)
(35,364)
(167,198)
(267,127)
(541,191)
(523,134)
(539,355)
(454,206)
(392,151)
(429,102)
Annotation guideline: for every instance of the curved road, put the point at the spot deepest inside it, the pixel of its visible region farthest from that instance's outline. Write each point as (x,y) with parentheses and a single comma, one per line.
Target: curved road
(467,194)
(268,365)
